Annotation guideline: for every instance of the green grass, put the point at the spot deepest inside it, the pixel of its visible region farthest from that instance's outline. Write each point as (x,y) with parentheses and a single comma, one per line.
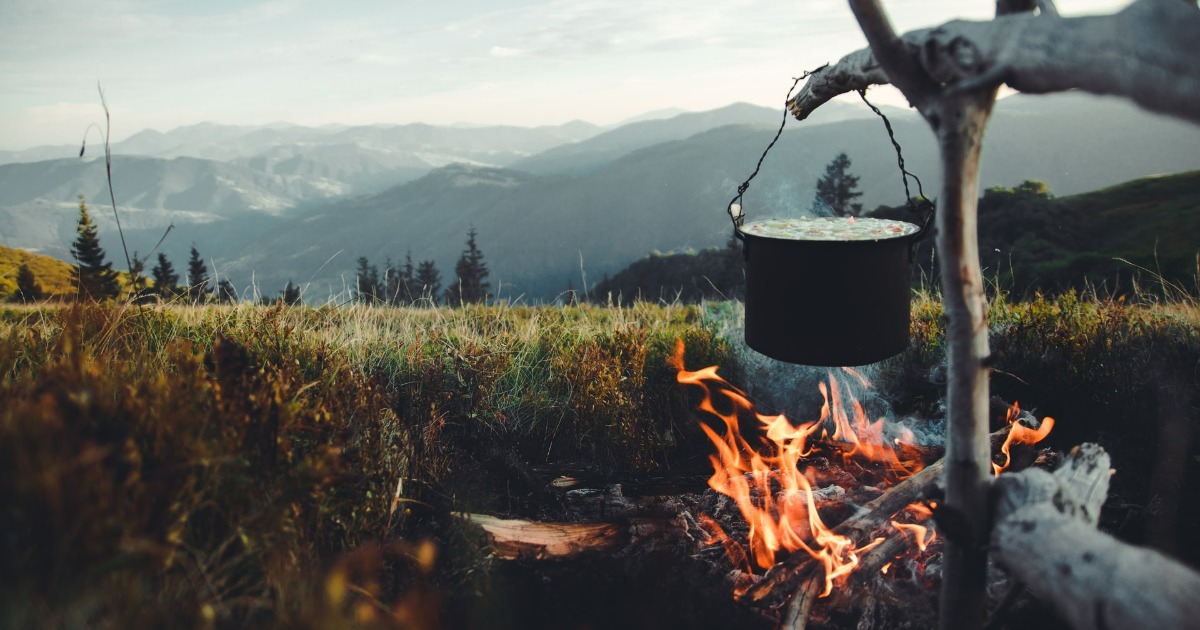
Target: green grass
(296,467)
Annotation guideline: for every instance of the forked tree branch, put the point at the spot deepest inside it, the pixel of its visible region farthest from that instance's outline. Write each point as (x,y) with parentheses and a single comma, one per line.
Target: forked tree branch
(1146,53)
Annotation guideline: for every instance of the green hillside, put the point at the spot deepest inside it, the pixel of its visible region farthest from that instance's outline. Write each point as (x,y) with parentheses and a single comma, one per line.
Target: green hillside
(1153,222)
(1109,238)
(51,274)
(1140,235)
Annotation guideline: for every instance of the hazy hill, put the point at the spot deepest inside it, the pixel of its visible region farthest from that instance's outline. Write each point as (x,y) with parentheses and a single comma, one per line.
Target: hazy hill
(283,214)
(205,201)
(588,154)
(672,195)
(432,145)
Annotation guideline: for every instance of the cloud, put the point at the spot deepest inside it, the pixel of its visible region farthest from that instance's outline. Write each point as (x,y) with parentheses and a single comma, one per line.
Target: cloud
(502,51)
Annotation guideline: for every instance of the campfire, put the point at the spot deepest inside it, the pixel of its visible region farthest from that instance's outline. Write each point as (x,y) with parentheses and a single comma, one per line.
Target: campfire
(774,491)
(790,479)
(834,520)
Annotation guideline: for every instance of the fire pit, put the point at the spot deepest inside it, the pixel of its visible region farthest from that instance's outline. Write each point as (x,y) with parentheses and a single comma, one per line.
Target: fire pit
(825,519)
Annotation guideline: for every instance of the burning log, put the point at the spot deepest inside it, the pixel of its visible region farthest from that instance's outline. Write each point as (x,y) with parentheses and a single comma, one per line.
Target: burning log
(789,576)
(794,576)
(1045,537)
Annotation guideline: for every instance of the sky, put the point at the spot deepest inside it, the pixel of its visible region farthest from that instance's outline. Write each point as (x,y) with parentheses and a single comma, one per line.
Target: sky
(167,63)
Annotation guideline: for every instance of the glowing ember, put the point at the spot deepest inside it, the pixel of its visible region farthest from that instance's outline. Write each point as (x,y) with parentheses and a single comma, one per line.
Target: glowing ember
(1020,434)
(771,490)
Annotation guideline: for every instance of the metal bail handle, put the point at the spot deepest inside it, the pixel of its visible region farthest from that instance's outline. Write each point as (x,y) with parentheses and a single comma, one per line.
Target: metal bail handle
(735,213)
(924,227)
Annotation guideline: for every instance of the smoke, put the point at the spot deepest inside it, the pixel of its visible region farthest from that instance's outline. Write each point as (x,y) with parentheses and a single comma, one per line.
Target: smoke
(777,387)
(785,201)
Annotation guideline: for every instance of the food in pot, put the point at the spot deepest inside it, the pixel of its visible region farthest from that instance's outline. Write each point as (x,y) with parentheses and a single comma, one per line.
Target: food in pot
(830,229)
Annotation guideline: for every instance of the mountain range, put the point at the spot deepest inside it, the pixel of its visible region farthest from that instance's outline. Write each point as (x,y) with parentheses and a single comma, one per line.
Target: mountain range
(550,204)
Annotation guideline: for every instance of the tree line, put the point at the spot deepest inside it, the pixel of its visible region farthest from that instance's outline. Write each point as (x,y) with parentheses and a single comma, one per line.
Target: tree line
(94,279)
(408,285)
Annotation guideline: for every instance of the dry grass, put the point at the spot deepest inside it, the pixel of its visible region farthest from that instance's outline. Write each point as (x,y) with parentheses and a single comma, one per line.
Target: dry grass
(294,467)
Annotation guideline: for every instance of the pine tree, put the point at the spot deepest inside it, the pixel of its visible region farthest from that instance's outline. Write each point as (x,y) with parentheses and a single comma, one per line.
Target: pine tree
(572,298)
(137,278)
(366,282)
(93,277)
(387,286)
(197,277)
(407,282)
(835,190)
(291,294)
(27,287)
(165,278)
(226,294)
(470,283)
(428,282)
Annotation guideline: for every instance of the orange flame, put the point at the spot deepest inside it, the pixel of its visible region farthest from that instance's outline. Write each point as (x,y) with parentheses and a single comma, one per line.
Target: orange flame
(1020,434)
(918,533)
(773,495)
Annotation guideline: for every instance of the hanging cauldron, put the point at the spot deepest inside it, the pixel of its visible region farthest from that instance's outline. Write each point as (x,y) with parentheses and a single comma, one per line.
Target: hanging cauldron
(821,293)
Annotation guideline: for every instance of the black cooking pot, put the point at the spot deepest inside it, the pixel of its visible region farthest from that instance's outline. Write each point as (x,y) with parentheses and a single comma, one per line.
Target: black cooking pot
(829,303)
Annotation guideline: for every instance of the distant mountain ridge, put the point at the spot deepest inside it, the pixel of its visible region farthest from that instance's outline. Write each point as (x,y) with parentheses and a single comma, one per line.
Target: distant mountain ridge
(607,199)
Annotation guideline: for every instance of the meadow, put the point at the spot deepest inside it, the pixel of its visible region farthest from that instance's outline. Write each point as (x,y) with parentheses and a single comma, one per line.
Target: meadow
(251,466)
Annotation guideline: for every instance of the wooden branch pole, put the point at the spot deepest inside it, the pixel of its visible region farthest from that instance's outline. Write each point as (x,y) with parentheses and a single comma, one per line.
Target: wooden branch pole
(1146,53)
(1045,536)
(959,122)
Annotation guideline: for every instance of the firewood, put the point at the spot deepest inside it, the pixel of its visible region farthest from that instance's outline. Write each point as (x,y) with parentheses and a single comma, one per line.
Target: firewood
(780,582)
(514,538)
(1045,536)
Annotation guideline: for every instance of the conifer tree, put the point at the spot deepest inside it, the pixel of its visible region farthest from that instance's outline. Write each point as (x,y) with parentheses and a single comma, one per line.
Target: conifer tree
(572,298)
(291,294)
(93,277)
(165,278)
(835,190)
(428,282)
(226,294)
(137,278)
(387,284)
(366,282)
(470,282)
(733,269)
(406,282)
(27,287)
(197,277)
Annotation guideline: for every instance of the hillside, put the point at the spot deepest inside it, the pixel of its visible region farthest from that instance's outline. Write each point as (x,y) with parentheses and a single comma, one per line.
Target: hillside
(293,212)
(433,145)
(585,155)
(53,276)
(1031,241)
(534,230)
